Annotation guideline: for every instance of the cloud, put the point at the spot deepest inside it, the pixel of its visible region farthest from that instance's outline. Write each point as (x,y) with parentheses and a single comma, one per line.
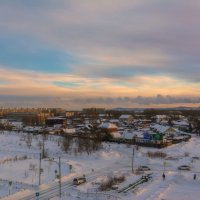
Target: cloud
(107,102)
(143,37)
(100,48)
(30,83)
(142,100)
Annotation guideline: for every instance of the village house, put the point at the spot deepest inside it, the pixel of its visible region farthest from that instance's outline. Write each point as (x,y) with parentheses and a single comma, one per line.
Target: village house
(159,118)
(126,119)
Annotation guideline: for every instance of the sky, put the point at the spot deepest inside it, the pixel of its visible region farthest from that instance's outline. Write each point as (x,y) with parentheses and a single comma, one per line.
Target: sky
(117,53)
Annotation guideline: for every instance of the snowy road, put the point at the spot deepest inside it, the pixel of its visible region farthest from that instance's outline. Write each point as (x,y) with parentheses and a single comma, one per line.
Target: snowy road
(53,190)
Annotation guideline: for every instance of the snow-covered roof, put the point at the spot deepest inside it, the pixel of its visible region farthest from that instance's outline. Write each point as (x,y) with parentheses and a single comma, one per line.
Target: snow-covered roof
(32,128)
(114,120)
(125,116)
(161,116)
(55,118)
(107,125)
(116,134)
(162,129)
(69,130)
(16,124)
(181,123)
(102,115)
(88,126)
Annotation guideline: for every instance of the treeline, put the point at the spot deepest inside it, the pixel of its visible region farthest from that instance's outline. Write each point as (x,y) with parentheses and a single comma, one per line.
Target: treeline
(88,142)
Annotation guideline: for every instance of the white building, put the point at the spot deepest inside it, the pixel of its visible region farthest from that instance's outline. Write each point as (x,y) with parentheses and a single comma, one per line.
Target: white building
(126,118)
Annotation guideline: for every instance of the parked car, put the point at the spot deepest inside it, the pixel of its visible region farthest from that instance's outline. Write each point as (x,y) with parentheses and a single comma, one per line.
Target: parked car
(78,181)
(143,168)
(171,158)
(184,167)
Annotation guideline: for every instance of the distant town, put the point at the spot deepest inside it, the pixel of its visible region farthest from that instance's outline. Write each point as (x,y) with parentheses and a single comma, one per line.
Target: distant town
(152,127)
(98,153)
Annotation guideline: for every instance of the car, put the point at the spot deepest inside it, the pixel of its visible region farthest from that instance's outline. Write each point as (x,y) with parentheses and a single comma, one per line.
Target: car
(78,181)
(115,187)
(195,158)
(184,167)
(171,158)
(143,168)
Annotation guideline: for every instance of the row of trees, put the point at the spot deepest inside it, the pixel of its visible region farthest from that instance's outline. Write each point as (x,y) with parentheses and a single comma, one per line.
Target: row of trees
(196,124)
(88,142)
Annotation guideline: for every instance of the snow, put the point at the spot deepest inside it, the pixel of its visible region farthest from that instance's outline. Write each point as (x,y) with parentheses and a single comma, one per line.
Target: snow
(108,126)
(32,129)
(181,123)
(161,117)
(129,134)
(69,130)
(125,116)
(16,124)
(183,187)
(114,121)
(19,164)
(164,129)
(116,134)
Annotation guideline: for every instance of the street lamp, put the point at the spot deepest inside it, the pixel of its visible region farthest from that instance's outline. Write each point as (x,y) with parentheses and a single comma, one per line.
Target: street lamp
(40,169)
(59,175)
(133,159)
(133,153)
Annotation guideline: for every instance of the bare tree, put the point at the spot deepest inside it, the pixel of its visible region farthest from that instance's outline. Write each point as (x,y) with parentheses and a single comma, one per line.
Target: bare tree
(67,142)
(29,140)
(44,138)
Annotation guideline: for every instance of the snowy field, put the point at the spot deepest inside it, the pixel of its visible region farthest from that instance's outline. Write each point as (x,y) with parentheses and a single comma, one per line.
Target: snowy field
(19,167)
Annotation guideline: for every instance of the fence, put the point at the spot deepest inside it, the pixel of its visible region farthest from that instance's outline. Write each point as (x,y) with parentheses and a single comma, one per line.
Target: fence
(97,196)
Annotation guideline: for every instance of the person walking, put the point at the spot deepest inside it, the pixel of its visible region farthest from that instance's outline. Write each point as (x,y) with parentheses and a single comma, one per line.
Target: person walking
(163,176)
(195,176)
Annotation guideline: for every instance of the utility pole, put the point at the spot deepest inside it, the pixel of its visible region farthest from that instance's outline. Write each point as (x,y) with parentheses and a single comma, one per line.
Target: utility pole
(59,177)
(43,146)
(43,151)
(132,159)
(59,174)
(40,169)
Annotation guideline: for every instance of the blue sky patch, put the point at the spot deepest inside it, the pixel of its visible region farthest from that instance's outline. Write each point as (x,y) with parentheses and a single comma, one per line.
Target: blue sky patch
(3,82)
(66,84)
(27,54)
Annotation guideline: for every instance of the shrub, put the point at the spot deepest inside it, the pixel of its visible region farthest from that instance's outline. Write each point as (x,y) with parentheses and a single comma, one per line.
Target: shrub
(186,154)
(107,185)
(156,154)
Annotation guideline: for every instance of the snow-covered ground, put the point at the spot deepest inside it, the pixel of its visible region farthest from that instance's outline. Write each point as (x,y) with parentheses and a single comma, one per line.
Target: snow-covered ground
(19,169)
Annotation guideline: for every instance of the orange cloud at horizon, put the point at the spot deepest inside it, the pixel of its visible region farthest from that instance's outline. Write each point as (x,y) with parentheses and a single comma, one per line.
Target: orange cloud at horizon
(26,83)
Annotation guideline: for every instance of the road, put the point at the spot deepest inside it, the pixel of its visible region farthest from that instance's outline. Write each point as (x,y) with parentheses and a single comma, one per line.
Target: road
(123,163)
(53,189)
